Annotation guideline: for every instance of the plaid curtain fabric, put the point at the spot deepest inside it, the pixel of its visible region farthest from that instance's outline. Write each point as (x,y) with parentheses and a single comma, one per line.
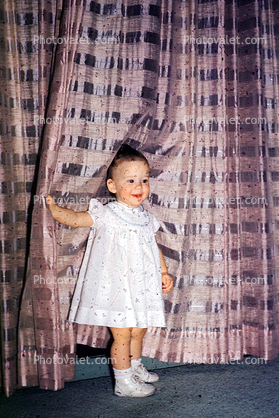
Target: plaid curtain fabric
(194,86)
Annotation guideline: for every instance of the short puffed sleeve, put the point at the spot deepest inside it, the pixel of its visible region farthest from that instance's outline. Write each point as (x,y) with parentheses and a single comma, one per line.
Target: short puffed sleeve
(155,224)
(96,210)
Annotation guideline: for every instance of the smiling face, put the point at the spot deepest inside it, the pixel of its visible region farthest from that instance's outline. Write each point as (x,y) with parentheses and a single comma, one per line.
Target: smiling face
(130,183)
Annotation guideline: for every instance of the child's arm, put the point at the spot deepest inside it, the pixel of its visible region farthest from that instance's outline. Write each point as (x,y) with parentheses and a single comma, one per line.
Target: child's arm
(166,278)
(67,216)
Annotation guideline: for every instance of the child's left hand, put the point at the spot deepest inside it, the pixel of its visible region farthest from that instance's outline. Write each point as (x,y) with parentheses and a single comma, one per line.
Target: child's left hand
(167,282)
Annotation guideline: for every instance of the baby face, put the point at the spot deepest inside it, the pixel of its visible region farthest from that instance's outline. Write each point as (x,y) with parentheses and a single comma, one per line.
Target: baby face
(130,183)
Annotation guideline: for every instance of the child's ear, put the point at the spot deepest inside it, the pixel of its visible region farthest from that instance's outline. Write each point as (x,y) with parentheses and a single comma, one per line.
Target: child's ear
(111,186)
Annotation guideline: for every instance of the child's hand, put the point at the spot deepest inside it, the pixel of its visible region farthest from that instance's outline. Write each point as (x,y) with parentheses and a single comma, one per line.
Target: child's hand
(50,203)
(68,216)
(167,282)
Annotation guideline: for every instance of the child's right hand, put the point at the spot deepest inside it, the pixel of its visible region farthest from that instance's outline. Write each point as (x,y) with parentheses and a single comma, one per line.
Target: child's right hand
(50,202)
(68,216)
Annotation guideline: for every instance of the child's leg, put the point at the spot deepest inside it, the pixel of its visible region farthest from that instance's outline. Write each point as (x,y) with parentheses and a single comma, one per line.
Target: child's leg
(125,383)
(137,335)
(120,349)
(139,370)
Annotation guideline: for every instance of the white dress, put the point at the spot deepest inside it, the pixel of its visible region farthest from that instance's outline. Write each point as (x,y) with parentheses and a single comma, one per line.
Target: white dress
(120,282)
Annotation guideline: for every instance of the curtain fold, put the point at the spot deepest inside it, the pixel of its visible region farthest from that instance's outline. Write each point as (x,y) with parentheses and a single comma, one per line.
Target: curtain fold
(22,103)
(42,306)
(194,86)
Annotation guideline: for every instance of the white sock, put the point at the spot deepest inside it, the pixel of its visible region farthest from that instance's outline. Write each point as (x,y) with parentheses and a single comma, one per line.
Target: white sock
(135,363)
(122,374)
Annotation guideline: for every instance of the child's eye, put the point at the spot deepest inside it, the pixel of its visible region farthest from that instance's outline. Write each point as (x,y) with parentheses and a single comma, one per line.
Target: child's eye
(130,181)
(145,181)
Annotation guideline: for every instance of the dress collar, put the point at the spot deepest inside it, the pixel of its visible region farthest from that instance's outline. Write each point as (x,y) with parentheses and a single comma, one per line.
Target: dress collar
(134,216)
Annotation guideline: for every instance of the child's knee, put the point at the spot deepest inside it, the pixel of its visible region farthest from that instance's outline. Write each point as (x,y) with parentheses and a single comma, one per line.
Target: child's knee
(138,333)
(121,334)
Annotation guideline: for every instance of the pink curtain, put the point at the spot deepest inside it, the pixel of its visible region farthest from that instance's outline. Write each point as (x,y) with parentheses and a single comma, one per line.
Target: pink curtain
(194,86)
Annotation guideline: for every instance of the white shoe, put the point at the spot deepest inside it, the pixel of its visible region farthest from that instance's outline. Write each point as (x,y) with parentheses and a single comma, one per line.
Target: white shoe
(144,375)
(133,387)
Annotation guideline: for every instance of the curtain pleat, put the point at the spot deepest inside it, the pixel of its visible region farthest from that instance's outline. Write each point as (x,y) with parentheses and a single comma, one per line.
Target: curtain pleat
(194,86)
(22,104)
(52,337)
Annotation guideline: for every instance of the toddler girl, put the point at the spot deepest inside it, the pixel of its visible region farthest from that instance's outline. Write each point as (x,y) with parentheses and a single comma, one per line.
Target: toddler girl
(123,273)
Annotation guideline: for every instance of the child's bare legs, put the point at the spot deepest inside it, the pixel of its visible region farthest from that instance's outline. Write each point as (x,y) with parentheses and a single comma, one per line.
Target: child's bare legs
(127,345)
(136,342)
(120,349)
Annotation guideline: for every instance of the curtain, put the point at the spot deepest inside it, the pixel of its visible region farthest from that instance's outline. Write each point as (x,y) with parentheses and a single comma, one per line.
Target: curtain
(25,76)
(194,86)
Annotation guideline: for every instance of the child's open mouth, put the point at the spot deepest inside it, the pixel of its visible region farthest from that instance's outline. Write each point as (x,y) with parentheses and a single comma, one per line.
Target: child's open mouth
(137,196)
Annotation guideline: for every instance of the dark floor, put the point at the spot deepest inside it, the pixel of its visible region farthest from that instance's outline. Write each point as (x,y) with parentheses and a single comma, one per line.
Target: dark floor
(246,390)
